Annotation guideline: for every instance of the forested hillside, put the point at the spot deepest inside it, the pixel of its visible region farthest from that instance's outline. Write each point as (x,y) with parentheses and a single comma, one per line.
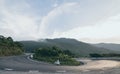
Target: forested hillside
(9,47)
(111,46)
(77,47)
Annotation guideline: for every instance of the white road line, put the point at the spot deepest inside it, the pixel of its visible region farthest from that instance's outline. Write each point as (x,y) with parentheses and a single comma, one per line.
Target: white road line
(33,71)
(8,69)
(61,71)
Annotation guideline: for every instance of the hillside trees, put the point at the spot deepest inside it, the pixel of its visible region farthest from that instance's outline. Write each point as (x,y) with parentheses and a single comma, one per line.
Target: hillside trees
(9,47)
(54,53)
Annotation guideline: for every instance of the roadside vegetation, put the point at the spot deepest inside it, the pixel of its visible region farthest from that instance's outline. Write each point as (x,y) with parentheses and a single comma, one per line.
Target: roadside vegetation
(105,55)
(52,54)
(9,47)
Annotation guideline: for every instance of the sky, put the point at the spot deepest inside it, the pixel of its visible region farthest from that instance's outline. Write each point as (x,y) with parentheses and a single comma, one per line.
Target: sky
(91,21)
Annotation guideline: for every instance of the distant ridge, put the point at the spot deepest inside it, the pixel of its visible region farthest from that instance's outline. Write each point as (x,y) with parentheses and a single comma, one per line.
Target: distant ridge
(111,46)
(77,47)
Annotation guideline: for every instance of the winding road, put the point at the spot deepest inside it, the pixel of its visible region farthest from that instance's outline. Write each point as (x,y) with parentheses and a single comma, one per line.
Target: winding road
(23,63)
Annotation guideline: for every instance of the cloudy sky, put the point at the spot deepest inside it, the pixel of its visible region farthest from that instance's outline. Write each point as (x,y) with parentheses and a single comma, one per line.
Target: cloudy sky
(90,21)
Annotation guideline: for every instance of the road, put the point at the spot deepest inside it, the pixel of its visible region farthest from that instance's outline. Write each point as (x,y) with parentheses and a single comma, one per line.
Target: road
(109,71)
(23,65)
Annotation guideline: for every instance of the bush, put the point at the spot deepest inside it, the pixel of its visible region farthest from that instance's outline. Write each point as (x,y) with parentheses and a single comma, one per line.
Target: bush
(52,54)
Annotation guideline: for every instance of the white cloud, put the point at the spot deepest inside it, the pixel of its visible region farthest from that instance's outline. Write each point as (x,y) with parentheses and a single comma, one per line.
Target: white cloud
(72,15)
(107,31)
(90,21)
(101,40)
(51,22)
(17,25)
(55,3)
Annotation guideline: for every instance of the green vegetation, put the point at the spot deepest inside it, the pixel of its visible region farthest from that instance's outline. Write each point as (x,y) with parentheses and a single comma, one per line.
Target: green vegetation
(9,47)
(52,54)
(79,48)
(105,55)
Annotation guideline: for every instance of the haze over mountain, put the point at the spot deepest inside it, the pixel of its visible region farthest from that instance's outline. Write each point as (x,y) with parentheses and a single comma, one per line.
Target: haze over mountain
(111,46)
(77,47)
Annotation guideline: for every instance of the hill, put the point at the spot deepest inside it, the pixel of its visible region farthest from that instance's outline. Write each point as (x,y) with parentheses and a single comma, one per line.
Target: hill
(77,47)
(111,46)
(8,47)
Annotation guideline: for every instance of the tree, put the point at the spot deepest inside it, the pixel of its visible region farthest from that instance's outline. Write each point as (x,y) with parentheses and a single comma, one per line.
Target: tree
(95,55)
(9,47)
(68,52)
(54,53)
(10,39)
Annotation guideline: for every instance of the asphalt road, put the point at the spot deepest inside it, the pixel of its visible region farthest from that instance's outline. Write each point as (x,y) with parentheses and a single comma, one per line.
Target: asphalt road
(22,63)
(109,71)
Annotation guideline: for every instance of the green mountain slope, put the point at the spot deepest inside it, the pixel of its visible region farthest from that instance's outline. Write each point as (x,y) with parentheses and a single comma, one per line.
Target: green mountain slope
(77,47)
(111,46)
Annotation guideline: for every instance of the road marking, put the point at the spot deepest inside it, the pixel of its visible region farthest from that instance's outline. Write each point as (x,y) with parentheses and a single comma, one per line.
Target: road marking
(33,71)
(61,71)
(8,69)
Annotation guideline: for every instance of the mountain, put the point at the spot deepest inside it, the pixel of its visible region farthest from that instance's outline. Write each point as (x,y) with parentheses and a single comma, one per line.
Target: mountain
(111,46)
(77,47)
